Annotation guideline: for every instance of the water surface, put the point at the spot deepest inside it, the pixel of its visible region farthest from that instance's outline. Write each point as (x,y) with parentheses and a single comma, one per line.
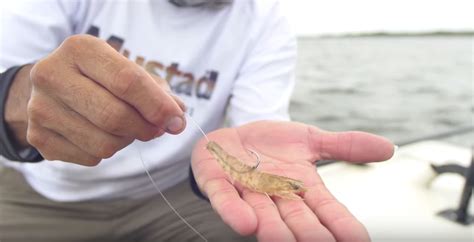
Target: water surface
(399,87)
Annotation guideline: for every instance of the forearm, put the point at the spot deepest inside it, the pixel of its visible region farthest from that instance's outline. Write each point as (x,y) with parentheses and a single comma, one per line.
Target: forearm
(15,114)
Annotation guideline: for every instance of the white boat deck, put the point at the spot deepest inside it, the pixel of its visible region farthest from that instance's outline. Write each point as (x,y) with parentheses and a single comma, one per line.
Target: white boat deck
(398,200)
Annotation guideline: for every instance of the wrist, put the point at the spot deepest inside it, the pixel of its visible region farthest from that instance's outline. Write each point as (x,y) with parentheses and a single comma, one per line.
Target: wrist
(15,107)
(15,89)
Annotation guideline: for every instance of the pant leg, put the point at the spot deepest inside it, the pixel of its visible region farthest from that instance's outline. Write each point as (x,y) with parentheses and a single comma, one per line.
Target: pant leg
(25,215)
(153,220)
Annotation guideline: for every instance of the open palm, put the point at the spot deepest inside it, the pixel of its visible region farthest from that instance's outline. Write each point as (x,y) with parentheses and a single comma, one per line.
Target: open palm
(289,149)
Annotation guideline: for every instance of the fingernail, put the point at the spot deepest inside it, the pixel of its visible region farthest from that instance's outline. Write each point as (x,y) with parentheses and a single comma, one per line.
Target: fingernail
(174,125)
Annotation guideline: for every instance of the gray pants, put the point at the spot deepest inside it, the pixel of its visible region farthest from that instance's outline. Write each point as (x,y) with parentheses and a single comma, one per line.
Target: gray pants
(25,215)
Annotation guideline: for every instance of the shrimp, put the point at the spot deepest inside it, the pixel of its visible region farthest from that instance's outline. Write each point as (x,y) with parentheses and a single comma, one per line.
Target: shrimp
(270,184)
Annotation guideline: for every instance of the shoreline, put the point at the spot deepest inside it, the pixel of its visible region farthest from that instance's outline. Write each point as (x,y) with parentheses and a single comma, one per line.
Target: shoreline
(391,34)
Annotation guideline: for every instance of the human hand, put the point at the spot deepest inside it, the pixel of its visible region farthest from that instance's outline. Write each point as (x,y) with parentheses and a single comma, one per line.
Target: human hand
(88,101)
(292,149)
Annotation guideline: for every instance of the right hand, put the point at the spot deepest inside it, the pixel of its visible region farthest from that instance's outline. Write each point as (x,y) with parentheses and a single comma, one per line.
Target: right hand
(292,148)
(88,102)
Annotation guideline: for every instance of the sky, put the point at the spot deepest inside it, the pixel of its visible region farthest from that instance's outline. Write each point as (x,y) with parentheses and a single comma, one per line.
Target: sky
(316,17)
(313,17)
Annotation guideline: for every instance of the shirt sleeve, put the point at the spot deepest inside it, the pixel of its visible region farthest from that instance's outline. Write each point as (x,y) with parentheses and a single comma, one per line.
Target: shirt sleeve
(32,29)
(265,81)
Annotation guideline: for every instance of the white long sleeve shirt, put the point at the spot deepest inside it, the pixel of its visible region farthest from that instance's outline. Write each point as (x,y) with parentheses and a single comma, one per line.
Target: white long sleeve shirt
(237,60)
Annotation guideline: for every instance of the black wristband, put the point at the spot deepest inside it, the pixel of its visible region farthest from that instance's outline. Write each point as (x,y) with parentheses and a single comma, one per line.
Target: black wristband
(194,186)
(7,147)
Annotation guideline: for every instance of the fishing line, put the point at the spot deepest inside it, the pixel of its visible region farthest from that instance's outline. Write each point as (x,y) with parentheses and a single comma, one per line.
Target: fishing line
(197,125)
(157,188)
(155,185)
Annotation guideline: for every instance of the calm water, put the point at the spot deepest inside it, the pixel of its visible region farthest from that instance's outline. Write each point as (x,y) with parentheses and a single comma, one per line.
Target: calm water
(399,87)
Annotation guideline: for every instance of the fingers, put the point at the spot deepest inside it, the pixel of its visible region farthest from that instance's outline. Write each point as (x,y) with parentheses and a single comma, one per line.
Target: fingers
(103,109)
(180,102)
(349,146)
(103,100)
(227,202)
(271,227)
(87,138)
(335,216)
(223,196)
(53,146)
(302,221)
(125,80)
(164,84)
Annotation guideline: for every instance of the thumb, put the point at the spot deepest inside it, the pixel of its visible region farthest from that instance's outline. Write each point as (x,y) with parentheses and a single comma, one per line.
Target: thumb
(353,146)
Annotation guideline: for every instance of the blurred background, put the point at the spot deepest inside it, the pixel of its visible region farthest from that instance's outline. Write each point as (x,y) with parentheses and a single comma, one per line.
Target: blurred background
(402,69)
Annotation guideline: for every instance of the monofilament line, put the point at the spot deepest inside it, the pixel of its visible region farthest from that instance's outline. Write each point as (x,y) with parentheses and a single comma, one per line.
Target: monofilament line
(165,199)
(199,127)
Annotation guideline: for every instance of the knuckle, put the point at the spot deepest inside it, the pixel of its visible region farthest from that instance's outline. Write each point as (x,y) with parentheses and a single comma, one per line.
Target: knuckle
(47,155)
(36,139)
(148,134)
(161,113)
(75,42)
(294,213)
(89,161)
(214,188)
(82,158)
(38,111)
(327,202)
(124,80)
(163,83)
(157,117)
(113,117)
(40,74)
(106,149)
(180,103)
(264,205)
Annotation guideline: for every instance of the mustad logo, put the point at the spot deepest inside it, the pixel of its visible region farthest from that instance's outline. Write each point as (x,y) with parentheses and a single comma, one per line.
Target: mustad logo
(180,82)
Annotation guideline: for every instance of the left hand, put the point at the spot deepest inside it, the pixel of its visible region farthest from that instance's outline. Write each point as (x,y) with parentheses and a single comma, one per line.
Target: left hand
(293,148)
